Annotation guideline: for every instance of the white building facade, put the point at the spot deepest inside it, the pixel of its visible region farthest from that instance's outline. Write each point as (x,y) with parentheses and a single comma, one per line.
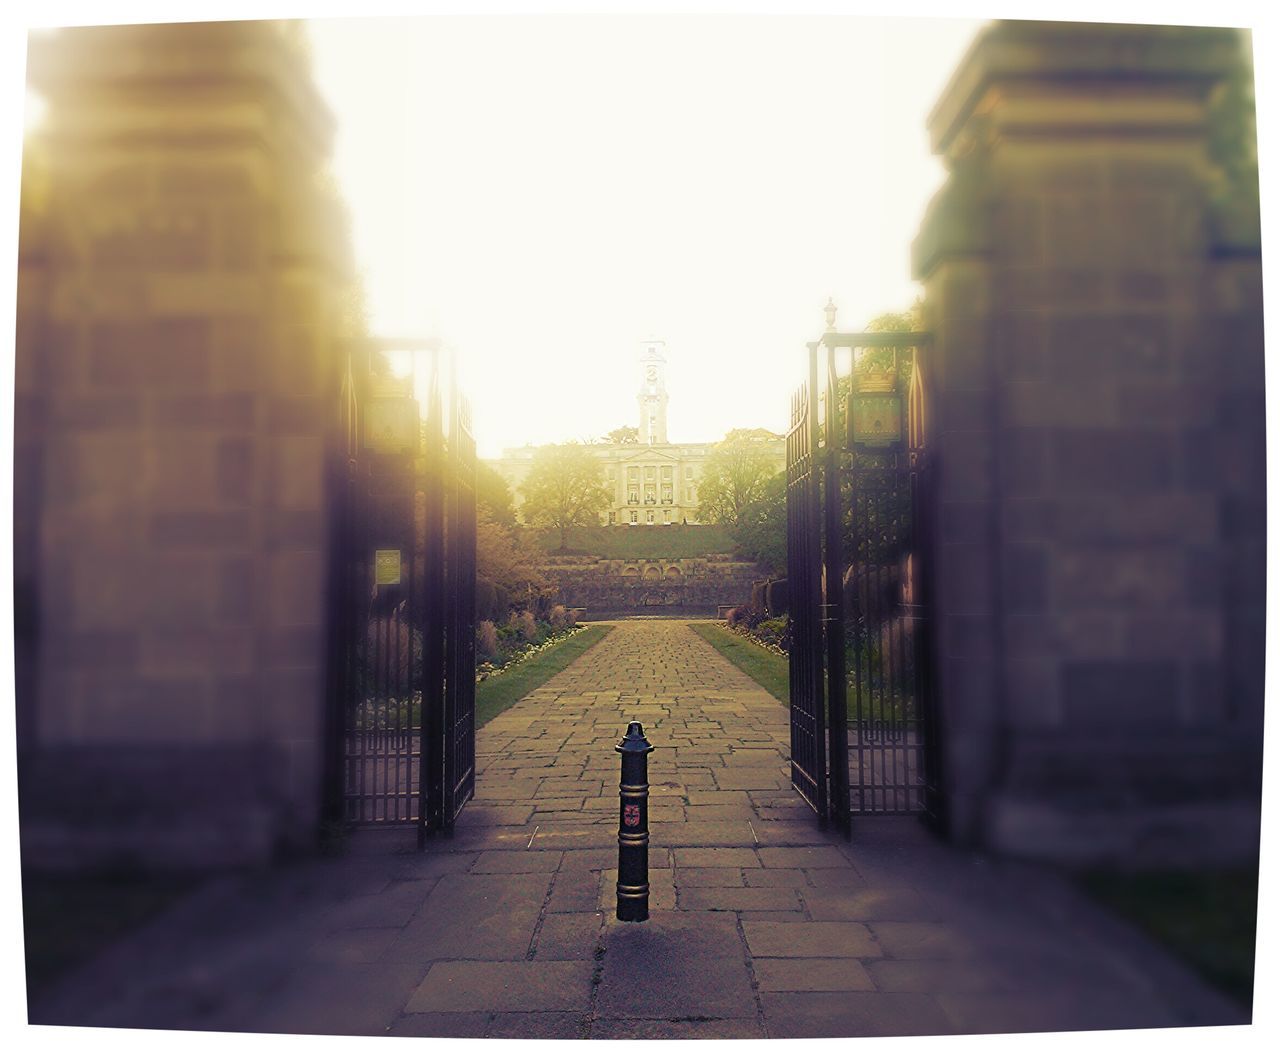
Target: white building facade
(652,482)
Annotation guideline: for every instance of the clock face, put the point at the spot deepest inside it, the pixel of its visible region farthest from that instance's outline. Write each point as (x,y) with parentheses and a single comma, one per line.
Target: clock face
(652,373)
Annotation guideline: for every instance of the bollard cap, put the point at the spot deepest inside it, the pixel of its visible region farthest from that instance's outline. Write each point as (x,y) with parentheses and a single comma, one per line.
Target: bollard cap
(634,741)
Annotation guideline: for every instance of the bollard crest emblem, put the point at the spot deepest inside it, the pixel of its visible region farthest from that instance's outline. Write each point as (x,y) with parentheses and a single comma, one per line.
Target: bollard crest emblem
(631,814)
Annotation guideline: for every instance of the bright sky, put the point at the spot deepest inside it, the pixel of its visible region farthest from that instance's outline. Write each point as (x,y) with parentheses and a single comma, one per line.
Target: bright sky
(544,192)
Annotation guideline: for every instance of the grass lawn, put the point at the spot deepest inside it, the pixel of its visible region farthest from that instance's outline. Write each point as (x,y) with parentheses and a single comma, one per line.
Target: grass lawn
(68,919)
(506,689)
(624,542)
(1207,919)
(767,669)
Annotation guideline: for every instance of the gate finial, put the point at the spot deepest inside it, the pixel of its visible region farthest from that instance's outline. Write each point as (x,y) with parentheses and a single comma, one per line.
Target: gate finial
(830,311)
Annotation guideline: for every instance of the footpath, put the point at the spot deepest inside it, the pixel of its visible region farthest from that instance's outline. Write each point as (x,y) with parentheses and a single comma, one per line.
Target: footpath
(761,926)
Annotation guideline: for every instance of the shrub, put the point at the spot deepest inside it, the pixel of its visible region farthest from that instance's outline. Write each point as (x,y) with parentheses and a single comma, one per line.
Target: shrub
(524,626)
(487,640)
(486,600)
(560,618)
(773,631)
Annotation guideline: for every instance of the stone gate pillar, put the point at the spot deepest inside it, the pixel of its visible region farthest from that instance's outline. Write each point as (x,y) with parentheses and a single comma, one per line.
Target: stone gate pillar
(1097,409)
(184,281)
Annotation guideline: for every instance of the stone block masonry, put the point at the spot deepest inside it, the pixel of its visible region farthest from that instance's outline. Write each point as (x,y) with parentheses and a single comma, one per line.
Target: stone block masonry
(181,288)
(613,587)
(1096,407)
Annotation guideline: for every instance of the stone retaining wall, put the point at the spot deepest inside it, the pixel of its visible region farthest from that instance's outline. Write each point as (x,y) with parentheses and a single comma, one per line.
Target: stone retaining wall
(619,586)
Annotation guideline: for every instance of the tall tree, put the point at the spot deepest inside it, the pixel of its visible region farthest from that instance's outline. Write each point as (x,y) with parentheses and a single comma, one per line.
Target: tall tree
(564,489)
(735,475)
(624,436)
(493,496)
(507,571)
(909,321)
(761,530)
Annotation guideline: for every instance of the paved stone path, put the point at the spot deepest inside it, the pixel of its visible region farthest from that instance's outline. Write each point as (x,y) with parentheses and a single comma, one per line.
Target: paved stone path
(761,925)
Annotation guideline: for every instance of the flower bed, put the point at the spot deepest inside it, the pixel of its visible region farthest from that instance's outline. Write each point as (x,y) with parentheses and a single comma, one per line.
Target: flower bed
(773,634)
(521,636)
(485,670)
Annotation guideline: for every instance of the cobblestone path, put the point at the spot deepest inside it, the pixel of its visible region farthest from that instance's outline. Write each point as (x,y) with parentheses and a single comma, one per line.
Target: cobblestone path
(761,924)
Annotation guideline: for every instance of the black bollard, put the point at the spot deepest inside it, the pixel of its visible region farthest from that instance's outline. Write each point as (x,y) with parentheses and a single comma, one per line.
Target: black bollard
(633,825)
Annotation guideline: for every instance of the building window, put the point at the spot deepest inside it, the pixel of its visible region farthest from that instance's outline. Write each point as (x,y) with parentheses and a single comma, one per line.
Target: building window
(613,518)
(633,496)
(649,473)
(688,495)
(666,473)
(633,474)
(649,516)
(633,518)
(666,495)
(666,516)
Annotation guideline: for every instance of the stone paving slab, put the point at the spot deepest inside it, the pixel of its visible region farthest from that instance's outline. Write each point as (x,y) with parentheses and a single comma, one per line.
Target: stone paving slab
(738,899)
(678,964)
(763,924)
(812,974)
(817,939)
(538,1025)
(924,939)
(710,877)
(540,862)
(775,878)
(574,892)
(874,904)
(564,937)
(615,1028)
(440,1025)
(478,916)
(503,986)
(821,856)
(358,999)
(856,1014)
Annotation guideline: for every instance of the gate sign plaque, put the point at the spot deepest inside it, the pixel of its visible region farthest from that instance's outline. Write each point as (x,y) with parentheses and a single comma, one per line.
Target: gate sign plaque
(876,419)
(386,566)
(391,425)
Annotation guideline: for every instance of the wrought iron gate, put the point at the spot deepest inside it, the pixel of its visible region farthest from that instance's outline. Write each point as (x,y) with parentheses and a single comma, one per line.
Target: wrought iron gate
(804,553)
(402,675)
(858,505)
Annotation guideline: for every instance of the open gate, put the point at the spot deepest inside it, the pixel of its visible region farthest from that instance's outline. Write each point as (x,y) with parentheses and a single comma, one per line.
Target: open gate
(401,729)
(858,507)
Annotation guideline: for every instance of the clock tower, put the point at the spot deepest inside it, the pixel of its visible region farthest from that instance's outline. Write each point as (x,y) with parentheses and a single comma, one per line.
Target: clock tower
(653,393)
